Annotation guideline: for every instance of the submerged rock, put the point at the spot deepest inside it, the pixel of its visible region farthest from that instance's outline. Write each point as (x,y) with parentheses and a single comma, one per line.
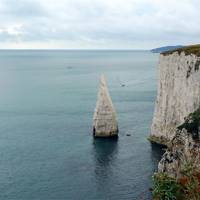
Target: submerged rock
(104,120)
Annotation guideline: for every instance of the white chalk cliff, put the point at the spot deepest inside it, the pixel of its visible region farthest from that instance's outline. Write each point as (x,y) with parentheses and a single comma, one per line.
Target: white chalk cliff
(178,92)
(104,120)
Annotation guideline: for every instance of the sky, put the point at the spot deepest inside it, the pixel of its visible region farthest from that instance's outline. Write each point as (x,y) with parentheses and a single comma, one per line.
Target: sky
(98,24)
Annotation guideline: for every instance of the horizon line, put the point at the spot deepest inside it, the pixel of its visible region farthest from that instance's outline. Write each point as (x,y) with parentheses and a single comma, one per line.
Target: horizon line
(62,49)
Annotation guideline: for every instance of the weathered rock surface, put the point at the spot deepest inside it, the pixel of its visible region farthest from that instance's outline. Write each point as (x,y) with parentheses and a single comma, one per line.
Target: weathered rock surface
(178,92)
(184,148)
(104,120)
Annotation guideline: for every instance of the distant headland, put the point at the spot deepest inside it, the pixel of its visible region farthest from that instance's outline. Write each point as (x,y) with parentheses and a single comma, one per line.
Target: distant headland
(165,48)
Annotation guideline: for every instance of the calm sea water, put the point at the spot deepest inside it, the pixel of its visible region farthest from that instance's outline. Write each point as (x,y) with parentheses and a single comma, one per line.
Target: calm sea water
(47,151)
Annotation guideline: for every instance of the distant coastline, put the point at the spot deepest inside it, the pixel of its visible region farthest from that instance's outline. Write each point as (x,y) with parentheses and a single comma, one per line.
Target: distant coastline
(165,48)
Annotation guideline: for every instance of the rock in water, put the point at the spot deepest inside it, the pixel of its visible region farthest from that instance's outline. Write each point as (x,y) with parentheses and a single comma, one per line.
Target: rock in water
(104,120)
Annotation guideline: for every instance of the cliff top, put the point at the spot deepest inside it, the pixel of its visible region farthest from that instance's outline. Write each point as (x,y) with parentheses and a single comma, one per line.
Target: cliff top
(188,50)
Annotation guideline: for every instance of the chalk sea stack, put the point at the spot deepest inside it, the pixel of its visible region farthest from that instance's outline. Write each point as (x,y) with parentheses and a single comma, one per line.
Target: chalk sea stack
(104,120)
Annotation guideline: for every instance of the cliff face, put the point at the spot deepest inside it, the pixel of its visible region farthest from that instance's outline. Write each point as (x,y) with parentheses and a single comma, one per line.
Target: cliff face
(176,124)
(178,93)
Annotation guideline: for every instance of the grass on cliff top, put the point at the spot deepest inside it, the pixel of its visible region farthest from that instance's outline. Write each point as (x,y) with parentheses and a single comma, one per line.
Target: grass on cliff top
(188,50)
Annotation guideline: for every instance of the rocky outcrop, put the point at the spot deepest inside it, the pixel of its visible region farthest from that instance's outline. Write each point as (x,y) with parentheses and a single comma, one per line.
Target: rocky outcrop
(104,120)
(178,91)
(184,148)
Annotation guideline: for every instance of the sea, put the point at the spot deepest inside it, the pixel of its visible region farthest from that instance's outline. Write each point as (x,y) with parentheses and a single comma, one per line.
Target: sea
(47,101)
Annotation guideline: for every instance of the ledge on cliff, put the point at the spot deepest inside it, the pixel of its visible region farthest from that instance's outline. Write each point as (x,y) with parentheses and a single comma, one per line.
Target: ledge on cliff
(161,141)
(188,50)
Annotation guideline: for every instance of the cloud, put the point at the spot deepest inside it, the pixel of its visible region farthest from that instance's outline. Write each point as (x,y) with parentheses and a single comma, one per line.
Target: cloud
(98,23)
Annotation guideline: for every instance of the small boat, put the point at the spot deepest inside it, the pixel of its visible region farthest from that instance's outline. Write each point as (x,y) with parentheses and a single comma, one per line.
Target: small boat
(121,84)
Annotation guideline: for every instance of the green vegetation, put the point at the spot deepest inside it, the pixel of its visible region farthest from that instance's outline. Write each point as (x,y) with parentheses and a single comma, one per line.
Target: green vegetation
(190,182)
(192,123)
(187,187)
(166,188)
(193,49)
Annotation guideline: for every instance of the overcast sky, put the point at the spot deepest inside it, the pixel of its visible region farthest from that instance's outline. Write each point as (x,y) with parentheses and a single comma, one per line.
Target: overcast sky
(94,24)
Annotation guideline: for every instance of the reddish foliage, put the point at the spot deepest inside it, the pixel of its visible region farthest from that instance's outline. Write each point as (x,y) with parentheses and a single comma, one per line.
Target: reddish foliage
(183,180)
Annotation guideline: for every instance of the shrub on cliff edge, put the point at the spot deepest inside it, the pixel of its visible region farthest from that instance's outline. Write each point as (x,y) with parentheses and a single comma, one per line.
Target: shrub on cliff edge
(166,188)
(186,187)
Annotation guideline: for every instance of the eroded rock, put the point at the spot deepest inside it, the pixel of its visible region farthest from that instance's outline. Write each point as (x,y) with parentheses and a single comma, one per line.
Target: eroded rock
(184,147)
(104,120)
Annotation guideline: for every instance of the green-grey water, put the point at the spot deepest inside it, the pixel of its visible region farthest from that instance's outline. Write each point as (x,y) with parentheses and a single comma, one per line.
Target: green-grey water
(47,151)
